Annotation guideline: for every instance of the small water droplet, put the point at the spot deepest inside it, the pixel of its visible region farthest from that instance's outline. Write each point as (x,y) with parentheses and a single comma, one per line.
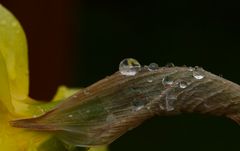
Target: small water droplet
(190,68)
(138,104)
(42,110)
(161,107)
(153,66)
(70,115)
(167,80)
(150,80)
(170,99)
(183,84)
(129,67)
(169,65)
(197,73)
(86,92)
(130,128)
(110,118)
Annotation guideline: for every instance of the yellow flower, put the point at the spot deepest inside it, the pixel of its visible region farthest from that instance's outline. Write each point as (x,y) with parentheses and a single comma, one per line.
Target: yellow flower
(14,87)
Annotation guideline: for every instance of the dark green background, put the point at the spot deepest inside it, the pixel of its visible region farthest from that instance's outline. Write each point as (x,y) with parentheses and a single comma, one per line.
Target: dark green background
(77,43)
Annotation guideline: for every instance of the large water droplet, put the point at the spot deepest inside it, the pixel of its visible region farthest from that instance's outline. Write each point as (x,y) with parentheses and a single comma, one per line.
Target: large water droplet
(183,84)
(152,66)
(197,73)
(167,80)
(138,104)
(70,115)
(129,67)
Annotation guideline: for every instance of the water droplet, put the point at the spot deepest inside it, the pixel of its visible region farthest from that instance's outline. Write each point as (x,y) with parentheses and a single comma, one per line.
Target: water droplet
(70,115)
(167,80)
(149,108)
(130,128)
(170,99)
(183,84)
(190,68)
(110,118)
(169,65)
(42,110)
(86,92)
(138,104)
(152,66)
(161,107)
(150,80)
(198,74)
(129,67)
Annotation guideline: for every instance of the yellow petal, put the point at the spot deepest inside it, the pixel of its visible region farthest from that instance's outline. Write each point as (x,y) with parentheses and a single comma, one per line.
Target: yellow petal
(14,100)
(14,139)
(5,96)
(63,92)
(100,148)
(13,49)
(27,140)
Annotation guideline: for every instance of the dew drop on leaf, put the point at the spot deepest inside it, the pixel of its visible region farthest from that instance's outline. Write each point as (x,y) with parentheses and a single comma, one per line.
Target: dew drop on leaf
(129,67)
(138,104)
(167,80)
(183,84)
(153,66)
(169,65)
(197,73)
(150,80)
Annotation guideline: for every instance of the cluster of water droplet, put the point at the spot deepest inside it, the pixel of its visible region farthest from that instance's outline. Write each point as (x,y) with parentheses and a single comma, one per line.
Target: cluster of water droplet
(131,67)
(171,94)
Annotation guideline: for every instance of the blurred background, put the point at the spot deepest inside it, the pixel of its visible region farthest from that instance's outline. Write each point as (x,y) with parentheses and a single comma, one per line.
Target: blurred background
(77,43)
